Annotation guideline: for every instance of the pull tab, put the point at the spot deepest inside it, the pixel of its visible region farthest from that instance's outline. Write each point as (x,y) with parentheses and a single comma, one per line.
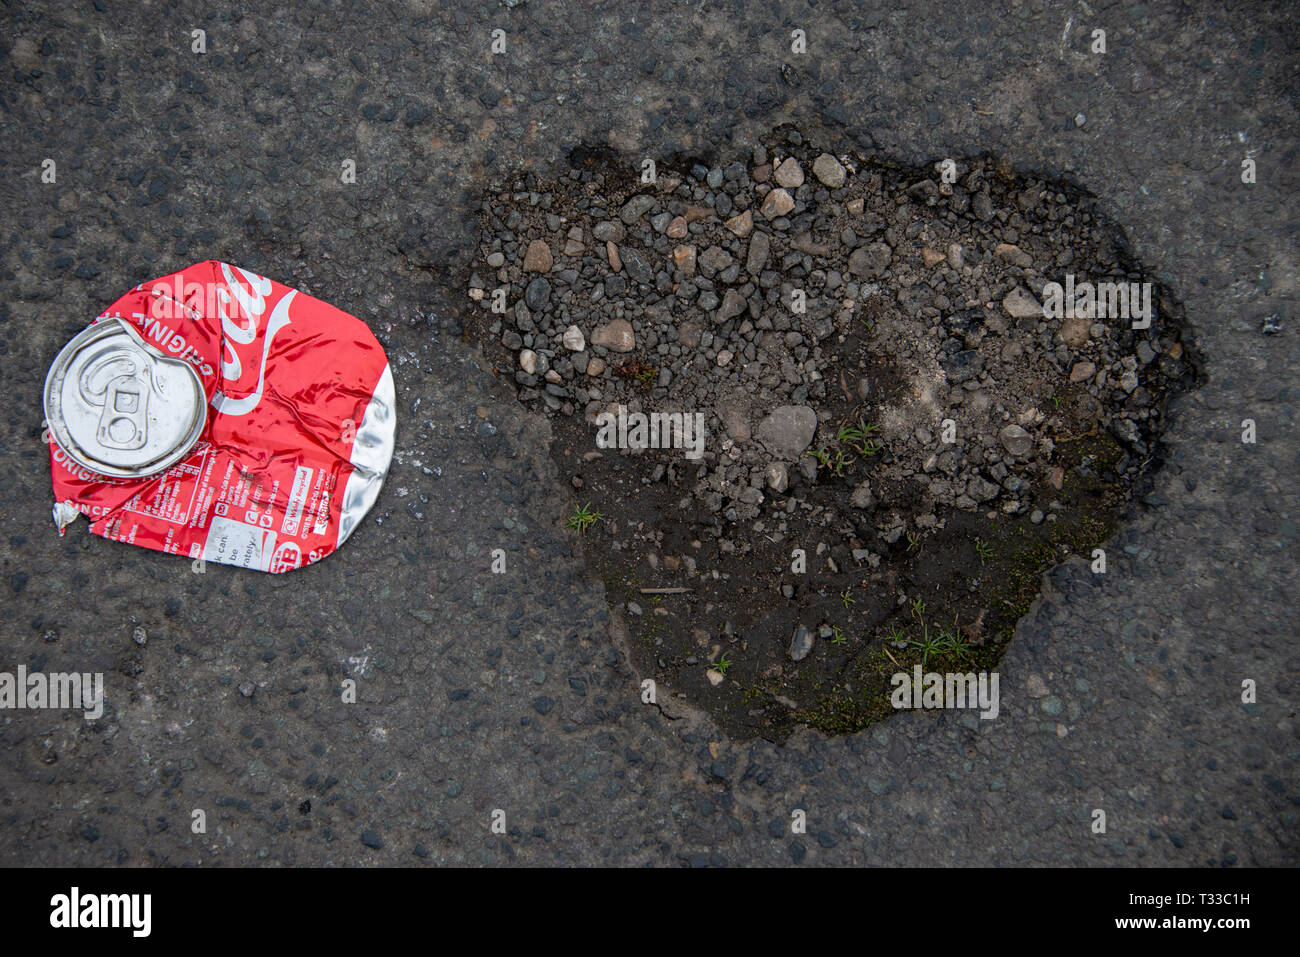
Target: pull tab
(122,423)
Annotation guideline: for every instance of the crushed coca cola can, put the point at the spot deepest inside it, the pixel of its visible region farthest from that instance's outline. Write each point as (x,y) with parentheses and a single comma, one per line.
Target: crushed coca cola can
(219,415)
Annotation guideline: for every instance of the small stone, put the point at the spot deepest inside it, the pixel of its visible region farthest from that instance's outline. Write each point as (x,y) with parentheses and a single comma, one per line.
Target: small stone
(616,336)
(1013,254)
(1036,686)
(596,366)
(609,231)
(1016,441)
(615,261)
(715,676)
(801,643)
(962,366)
(1075,332)
(538,294)
(733,304)
(714,259)
(688,334)
(528,361)
(372,840)
(139,635)
(862,496)
(868,262)
(981,489)
(635,208)
(677,228)
(538,257)
(829,170)
(573,339)
(667,182)
(741,225)
(855,206)
(684,259)
(778,477)
(1082,371)
(1036,516)
(735,421)
(931,257)
(789,174)
(788,430)
(637,267)
(777,203)
(1021,304)
(760,247)
(956,255)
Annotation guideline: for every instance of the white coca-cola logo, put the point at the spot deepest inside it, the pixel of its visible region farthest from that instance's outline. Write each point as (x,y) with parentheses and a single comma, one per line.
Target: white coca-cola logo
(241,329)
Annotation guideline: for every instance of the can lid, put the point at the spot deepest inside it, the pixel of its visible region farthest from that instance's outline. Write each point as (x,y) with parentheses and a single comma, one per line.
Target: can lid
(119,407)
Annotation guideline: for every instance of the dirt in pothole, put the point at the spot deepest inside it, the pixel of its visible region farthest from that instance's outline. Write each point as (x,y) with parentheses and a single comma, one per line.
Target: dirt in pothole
(901,432)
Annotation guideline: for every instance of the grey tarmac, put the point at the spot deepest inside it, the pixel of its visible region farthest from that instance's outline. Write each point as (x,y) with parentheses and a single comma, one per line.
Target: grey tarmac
(477,692)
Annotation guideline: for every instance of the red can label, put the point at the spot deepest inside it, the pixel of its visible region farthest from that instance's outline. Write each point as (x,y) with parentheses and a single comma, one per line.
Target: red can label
(299,434)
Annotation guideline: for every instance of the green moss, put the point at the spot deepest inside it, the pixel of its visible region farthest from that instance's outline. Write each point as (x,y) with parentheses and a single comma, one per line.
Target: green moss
(840,712)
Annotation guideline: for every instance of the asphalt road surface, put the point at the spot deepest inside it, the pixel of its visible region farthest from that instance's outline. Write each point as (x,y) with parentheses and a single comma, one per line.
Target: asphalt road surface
(478,692)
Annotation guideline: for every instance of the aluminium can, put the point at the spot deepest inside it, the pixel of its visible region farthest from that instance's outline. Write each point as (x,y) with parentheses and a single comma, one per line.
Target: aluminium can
(120,408)
(295,421)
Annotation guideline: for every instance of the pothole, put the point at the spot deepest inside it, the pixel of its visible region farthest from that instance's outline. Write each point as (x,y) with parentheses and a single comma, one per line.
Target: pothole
(901,430)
